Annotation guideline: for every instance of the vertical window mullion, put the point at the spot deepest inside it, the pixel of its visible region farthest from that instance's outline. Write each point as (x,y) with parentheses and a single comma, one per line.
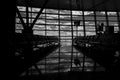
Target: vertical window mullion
(118,19)
(71,32)
(95,20)
(59,40)
(107,21)
(29,25)
(84,31)
(27,15)
(59,35)
(94,68)
(45,23)
(45,35)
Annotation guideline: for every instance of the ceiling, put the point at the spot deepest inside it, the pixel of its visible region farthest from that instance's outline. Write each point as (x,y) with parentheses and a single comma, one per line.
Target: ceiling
(87,5)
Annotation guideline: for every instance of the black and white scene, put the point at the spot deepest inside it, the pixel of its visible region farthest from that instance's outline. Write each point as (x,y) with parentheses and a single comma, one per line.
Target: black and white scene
(65,39)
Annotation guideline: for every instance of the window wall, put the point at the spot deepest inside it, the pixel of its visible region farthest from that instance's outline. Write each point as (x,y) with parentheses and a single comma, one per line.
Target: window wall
(53,22)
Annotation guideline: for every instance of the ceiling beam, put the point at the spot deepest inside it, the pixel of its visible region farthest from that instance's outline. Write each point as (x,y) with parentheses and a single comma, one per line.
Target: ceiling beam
(39,13)
(20,17)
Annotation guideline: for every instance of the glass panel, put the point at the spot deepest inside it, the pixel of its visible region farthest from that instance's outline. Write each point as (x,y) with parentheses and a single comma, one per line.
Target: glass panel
(90,28)
(100,13)
(77,18)
(37,32)
(111,23)
(39,27)
(51,16)
(40,21)
(112,18)
(35,9)
(119,13)
(65,17)
(18,31)
(64,12)
(23,14)
(34,15)
(65,33)
(76,12)
(80,33)
(19,26)
(21,8)
(42,16)
(65,28)
(89,23)
(111,13)
(59,25)
(51,11)
(52,33)
(116,29)
(88,12)
(52,27)
(53,22)
(90,33)
(101,18)
(89,17)
(18,20)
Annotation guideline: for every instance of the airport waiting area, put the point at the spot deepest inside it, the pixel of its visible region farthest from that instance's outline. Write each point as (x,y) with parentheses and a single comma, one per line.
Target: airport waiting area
(65,39)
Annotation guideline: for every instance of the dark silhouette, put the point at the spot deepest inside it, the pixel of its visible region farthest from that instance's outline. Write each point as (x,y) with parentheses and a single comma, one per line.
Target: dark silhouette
(100,28)
(77,62)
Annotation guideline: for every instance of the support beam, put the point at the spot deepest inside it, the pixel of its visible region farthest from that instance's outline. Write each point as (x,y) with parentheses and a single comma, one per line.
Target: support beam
(27,14)
(118,13)
(27,30)
(59,35)
(95,16)
(95,19)
(20,17)
(39,13)
(71,19)
(118,17)
(83,16)
(39,71)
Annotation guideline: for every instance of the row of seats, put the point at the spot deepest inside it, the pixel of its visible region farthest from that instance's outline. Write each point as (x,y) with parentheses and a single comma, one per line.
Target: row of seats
(101,48)
(30,49)
(103,40)
(34,40)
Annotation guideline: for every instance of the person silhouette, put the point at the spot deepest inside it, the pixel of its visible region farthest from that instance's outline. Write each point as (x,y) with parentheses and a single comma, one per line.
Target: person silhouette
(100,28)
(77,62)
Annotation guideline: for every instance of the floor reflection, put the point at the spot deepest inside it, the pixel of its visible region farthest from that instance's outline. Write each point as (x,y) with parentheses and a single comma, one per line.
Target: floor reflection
(60,61)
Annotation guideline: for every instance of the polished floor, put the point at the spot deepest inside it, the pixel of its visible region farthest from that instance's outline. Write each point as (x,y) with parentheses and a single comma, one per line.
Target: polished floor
(60,61)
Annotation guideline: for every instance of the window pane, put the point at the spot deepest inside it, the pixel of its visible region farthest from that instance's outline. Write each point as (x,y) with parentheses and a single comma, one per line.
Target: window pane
(64,12)
(52,33)
(89,17)
(51,11)
(38,32)
(51,16)
(39,27)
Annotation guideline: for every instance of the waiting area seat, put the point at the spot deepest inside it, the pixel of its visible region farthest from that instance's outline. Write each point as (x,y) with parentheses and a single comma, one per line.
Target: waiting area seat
(31,49)
(102,49)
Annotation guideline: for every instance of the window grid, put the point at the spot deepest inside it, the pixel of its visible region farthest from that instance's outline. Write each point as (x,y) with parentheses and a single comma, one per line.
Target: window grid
(84,31)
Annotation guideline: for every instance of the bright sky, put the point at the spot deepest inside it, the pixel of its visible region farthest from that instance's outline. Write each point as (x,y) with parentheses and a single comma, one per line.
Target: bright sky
(62,22)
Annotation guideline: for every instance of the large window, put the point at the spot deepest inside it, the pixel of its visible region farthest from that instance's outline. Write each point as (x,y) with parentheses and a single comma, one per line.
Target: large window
(61,23)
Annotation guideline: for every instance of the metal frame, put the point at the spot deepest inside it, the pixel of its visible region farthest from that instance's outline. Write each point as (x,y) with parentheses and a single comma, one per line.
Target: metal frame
(59,30)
